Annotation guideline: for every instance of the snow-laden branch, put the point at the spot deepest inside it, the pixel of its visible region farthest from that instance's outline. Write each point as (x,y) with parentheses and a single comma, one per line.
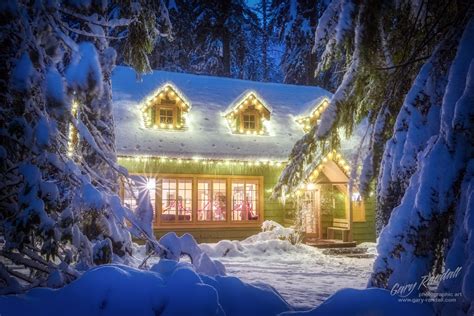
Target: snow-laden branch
(113,23)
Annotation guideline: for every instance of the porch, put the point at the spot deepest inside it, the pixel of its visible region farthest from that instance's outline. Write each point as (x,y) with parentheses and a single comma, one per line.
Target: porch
(327,208)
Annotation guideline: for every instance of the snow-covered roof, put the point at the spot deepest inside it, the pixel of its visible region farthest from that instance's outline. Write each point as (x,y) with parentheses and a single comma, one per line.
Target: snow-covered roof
(208,134)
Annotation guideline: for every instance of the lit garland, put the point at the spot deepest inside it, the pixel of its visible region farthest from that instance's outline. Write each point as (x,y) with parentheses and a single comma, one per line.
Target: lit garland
(72,133)
(204,161)
(168,92)
(253,101)
(308,121)
(333,156)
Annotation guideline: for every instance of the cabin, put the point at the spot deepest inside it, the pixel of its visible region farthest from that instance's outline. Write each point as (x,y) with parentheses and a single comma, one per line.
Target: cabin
(209,150)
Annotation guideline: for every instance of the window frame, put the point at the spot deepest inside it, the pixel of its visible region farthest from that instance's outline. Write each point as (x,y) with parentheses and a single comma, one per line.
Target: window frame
(211,181)
(255,114)
(167,115)
(245,182)
(158,223)
(159,108)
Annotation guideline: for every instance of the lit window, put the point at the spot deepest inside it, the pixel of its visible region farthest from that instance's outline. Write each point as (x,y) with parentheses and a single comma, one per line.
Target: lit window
(197,200)
(176,200)
(244,200)
(211,200)
(166,116)
(166,109)
(248,115)
(249,122)
(141,190)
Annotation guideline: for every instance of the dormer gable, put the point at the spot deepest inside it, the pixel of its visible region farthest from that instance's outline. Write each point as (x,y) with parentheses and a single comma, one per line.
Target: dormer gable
(249,115)
(166,108)
(312,117)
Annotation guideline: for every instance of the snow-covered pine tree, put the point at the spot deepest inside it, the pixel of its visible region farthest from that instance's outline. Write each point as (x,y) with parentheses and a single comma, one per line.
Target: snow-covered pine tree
(410,72)
(177,54)
(222,42)
(60,212)
(294,23)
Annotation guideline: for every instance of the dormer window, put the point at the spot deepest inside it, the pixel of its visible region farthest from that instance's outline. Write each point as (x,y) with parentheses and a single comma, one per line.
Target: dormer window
(249,115)
(166,109)
(249,122)
(166,116)
(312,117)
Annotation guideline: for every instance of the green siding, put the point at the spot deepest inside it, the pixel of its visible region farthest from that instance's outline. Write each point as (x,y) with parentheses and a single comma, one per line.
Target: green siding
(273,209)
(365,231)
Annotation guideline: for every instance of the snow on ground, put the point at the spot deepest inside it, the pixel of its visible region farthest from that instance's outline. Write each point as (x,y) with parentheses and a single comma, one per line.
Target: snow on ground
(303,275)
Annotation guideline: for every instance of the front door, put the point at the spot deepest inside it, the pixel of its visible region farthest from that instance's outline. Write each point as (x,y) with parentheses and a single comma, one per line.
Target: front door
(310,211)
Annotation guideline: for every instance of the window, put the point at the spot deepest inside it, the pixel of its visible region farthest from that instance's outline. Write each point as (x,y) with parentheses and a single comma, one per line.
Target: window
(166,109)
(212,200)
(249,115)
(244,200)
(166,116)
(176,200)
(141,191)
(249,122)
(197,199)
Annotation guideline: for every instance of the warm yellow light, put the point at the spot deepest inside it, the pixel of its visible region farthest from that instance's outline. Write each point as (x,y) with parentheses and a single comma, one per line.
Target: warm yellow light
(162,125)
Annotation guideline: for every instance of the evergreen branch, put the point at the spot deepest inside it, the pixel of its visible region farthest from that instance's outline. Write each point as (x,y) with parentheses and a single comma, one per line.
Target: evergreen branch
(15,273)
(84,33)
(409,62)
(112,24)
(19,259)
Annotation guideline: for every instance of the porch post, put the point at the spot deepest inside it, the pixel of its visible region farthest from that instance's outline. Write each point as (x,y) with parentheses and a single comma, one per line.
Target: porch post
(349,197)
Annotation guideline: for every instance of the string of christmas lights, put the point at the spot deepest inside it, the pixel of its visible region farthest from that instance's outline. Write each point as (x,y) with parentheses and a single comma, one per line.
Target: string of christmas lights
(170,92)
(249,99)
(203,161)
(308,121)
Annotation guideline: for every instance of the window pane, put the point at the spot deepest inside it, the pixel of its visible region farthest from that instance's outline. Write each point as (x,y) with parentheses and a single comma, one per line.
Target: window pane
(219,200)
(204,200)
(185,199)
(251,194)
(166,116)
(249,121)
(211,200)
(238,200)
(244,200)
(168,199)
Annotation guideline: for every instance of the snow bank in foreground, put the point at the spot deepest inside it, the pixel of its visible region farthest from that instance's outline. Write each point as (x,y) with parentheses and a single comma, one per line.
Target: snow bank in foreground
(169,288)
(373,301)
